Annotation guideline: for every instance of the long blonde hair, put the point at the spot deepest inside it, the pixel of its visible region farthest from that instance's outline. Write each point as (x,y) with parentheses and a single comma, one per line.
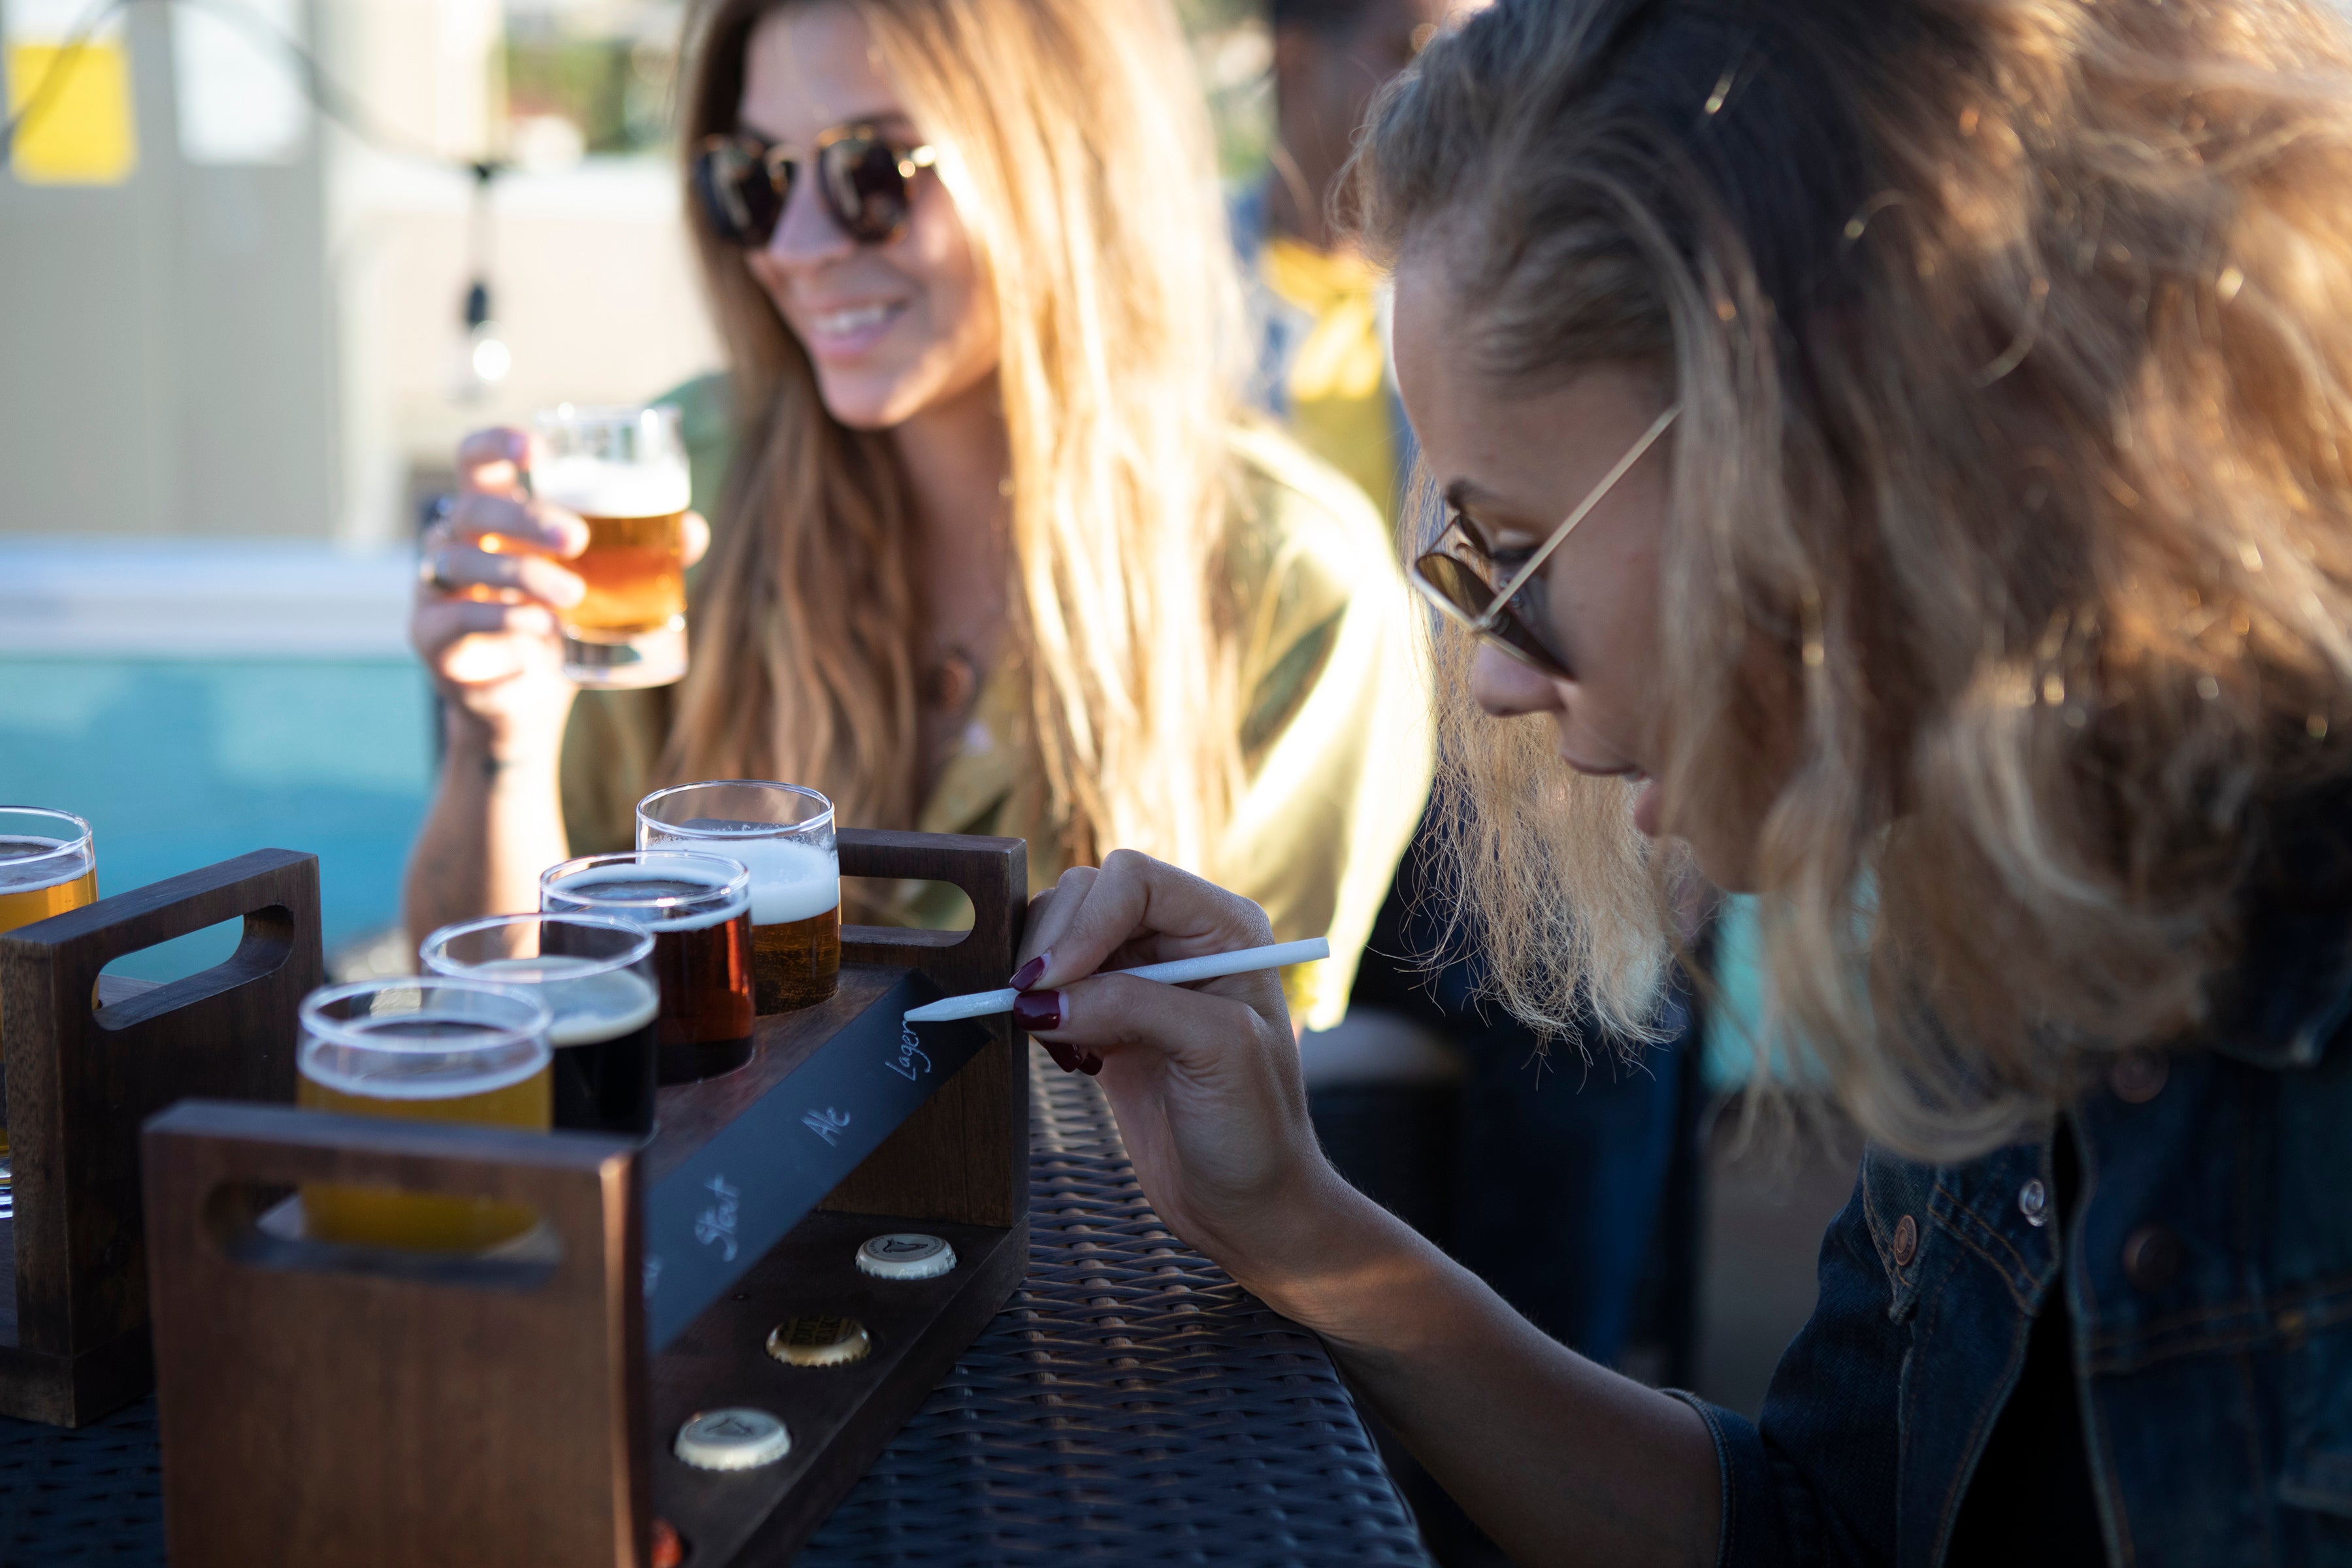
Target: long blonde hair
(2010,561)
(1076,148)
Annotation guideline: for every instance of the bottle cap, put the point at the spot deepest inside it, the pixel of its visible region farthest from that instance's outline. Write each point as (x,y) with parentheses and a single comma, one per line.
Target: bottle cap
(906,1256)
(736,1438)
(819,1341)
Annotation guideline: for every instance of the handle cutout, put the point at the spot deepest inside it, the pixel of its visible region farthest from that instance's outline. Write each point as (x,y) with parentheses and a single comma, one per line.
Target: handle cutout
(916,903)
(181,957)
(264,941)
(272,1225)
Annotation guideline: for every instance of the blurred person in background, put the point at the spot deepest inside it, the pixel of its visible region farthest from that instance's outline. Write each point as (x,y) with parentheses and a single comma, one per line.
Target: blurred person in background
(1563,1172)
(995,548)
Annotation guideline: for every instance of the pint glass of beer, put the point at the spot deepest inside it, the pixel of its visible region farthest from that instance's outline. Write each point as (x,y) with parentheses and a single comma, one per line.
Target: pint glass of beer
(429,1049)
(47,866)
(624,471)
(784,835)
(699,909)
(595,978)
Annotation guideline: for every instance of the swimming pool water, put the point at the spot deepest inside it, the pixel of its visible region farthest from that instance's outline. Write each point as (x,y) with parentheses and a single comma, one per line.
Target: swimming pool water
(180,763)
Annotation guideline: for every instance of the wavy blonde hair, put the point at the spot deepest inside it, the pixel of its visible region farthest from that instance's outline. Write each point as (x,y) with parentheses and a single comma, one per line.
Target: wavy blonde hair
(1076,148)
(2012,554)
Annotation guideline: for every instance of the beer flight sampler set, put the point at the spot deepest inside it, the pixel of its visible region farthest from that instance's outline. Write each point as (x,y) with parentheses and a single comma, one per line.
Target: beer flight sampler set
(627,1231)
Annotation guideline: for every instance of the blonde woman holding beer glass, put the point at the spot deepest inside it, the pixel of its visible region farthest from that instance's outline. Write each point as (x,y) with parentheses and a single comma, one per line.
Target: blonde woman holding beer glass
(996,550)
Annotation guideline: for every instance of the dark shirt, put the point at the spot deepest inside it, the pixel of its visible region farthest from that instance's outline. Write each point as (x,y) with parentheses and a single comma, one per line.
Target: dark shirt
(2029,1503)
(2207,1280)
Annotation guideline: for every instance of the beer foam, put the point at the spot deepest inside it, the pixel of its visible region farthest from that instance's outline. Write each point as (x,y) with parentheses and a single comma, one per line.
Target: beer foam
(401,1076)
(791,880)
(589,1008)
(630,886)
(596,488)
(23,869)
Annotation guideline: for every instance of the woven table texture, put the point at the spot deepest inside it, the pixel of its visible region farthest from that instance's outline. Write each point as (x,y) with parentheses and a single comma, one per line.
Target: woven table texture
(1129,1404)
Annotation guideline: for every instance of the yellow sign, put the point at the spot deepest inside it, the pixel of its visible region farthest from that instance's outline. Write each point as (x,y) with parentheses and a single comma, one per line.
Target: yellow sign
(81,132)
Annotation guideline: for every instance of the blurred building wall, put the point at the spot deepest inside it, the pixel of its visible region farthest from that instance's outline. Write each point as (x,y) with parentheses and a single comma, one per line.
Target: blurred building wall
(276,349)
(167,340)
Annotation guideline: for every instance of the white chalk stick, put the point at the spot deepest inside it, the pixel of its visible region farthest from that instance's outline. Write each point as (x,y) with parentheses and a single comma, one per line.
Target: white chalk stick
(1176,972)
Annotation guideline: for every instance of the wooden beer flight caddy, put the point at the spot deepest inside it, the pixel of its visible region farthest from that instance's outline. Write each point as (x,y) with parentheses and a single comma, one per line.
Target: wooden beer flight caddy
(753,1290)
(79,1079)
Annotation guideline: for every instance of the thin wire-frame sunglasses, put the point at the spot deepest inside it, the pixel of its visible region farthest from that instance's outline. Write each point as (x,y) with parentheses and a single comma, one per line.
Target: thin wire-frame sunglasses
(862,178)
(1457,574)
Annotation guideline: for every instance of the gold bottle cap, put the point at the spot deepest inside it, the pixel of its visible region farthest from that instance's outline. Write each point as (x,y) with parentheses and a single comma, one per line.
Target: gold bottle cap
(906,1256)
(819,1341)
(736,1438)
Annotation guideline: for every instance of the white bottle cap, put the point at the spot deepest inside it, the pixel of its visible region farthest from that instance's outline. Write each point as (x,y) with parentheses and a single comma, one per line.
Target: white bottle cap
(736,1438)
(906,1256)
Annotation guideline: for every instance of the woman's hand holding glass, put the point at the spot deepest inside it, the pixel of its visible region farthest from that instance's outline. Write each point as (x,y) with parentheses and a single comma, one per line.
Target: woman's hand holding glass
(1205,1078)
(491,584)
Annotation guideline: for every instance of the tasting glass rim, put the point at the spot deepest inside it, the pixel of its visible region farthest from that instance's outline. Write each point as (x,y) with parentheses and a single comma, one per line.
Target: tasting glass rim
(530,1029)
(823,819)
(737,885)
(568,415)
(79,845)
(640,949)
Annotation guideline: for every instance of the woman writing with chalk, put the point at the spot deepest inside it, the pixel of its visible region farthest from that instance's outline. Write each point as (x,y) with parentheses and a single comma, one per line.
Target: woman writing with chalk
(1891,445)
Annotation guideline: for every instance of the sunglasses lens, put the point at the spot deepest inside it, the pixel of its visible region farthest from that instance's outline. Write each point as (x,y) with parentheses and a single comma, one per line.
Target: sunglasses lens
(1460,588)
(738,197)
(1456,584)
(865,189)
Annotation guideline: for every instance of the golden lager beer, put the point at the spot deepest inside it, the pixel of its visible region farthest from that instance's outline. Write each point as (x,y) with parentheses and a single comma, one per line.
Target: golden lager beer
(623,472)
(784,835)
(421,1051)
(47,867)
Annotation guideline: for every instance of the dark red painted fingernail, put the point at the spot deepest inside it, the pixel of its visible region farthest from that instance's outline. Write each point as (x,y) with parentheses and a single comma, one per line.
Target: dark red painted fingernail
(1026,976)
(1065,1057)
(1037,1011)
(1091,1065)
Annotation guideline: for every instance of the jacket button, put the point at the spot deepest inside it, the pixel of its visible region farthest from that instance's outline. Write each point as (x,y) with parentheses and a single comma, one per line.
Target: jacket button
(2139,1076)
(2033,1202)
(1907,1241)
(2151,1256)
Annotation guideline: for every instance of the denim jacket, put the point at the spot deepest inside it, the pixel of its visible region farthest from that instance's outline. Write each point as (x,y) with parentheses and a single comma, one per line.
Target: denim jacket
(2207,1275)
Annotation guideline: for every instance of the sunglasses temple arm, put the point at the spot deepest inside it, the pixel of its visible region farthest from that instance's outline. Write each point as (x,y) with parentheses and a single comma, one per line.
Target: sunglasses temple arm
(1608,482)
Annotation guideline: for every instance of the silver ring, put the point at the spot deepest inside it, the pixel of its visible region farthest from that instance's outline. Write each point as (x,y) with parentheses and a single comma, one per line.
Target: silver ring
(428,573)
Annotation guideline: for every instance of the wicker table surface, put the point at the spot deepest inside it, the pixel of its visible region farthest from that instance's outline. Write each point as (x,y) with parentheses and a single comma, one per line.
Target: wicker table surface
(1130,1404)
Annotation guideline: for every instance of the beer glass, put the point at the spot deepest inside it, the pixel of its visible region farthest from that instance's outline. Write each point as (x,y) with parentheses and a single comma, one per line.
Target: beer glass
(429,1049)
(47,866)
(624,471)
(595,978)
(699,909)
(783,836)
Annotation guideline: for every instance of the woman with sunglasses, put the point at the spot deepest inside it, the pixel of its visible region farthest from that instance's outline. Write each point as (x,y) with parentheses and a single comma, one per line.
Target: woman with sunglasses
(996,552)
(1892,445)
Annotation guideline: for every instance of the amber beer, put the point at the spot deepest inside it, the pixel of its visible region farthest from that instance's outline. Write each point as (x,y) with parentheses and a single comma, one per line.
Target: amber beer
(623,472)
(699,909)
(421,1051)
(47,867)
(784,835)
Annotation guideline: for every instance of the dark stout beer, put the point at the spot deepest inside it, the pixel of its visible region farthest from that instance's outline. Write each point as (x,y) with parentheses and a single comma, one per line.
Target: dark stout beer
(605,1036)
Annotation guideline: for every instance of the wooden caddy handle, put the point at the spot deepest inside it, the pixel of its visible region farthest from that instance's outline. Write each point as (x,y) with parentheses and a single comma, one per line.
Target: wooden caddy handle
(965,1154)
(283,1363)
(80,1082)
